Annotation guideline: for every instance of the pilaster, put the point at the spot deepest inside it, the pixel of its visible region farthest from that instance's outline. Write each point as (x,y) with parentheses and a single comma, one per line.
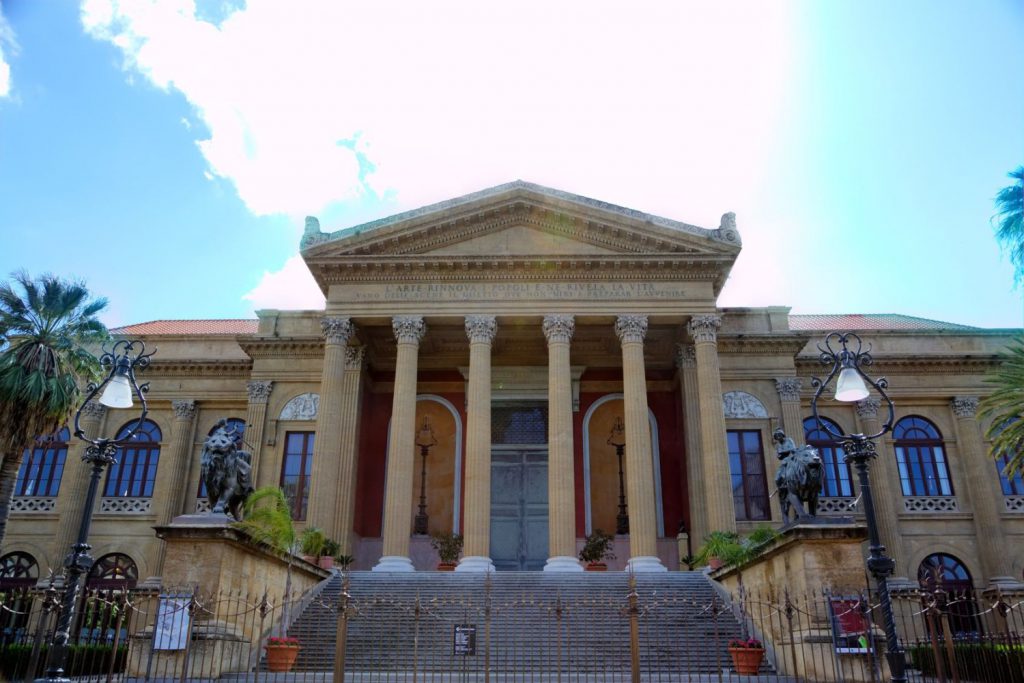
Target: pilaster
(480,329)
(352,393)
(686,361)
(255,424)
(71,496)
(885,481)
(721,513)
(409,331)
(643,535)
(172,481)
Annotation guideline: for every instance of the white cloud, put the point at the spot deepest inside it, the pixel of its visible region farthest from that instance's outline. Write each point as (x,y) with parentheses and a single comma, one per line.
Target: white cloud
(292,287)
(658,106)
(8,46)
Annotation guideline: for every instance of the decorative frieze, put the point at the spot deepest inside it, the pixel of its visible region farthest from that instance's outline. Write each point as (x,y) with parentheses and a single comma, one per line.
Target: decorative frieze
(631,328)
(1014,503)
(354,356)
(259,390)
(33,504)
(704,328)
(867,409)
(481,328)
(964,406)
(408,328)
(836,505)
(302,407)
(788,388)
(686,356)
(559,328)
(93,410)
(202,506)
(184,409)
(126,506)
(930,504)
(337,330)
(741,405)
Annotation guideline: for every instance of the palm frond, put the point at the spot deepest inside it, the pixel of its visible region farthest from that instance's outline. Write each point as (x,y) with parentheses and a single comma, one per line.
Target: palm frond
(268,519)
(1004,408)
(1009,221)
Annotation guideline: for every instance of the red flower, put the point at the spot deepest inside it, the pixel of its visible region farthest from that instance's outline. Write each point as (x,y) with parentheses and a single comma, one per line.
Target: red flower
(274,641)
(748,644)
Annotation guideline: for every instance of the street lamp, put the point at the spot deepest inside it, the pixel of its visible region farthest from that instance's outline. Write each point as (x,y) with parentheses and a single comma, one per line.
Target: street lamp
(115,391)
(847,363)
(618,439)
(424,439)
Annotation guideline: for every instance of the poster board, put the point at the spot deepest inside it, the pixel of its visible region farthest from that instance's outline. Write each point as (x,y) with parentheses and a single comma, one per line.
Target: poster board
(851,628)
(173,622)
(464,639)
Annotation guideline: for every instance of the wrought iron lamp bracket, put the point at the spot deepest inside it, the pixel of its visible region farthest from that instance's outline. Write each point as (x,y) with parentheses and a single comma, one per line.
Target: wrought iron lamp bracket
(857,358)
(119,359)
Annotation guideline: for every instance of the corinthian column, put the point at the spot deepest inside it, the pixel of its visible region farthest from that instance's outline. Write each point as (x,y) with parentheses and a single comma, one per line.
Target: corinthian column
(986,495)
(643,534)
(887,495)
(558,330)
(351,391)
(721,512)
(255,423)
(327,445)
(481,330)
(686,360)
(172,479)
(409,330)
(71,496)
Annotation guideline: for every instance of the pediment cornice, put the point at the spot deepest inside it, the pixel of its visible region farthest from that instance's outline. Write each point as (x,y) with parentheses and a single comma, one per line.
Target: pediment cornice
(280,347)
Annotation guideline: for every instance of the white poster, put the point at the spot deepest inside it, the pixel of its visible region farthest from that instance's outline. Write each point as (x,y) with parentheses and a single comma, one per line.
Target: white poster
(173,623)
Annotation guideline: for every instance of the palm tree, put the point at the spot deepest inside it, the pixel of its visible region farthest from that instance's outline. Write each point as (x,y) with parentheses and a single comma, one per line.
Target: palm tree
(1009,220)
(47,326)
(268,519)
(1005,408)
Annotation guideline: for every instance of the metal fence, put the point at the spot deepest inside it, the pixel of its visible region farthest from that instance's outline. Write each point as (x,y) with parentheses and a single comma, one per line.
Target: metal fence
(626,629)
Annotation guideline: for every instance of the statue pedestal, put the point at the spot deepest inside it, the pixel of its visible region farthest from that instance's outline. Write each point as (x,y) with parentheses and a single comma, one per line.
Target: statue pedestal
(800,566)
(206,556)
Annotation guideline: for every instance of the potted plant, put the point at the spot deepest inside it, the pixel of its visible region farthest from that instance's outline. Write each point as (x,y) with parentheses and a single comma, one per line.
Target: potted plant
(448,547)
(330,549)
(281,653)
(344,561)
(596,549)
(718,549)
(311,544)
(746,655)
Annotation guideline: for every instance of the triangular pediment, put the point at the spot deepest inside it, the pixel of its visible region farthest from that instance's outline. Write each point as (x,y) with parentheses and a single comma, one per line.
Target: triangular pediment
(521,240)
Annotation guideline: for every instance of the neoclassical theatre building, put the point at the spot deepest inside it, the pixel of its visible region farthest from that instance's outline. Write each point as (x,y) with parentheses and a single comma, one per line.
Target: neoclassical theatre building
(482,365)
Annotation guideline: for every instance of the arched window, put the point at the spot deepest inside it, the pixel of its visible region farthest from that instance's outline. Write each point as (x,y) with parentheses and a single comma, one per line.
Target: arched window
(18,570)
(1012,486)
(133,474)
(948,579)
(921,458)
(836,480)
(113,572)
(236,427)
(18,575)
(42,466)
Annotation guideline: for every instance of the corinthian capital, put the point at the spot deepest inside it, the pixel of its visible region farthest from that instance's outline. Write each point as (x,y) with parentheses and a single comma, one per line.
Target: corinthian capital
(408,328)
(94,411)
(481,328)
(964,406)
(788,388)
(868,408)
(259,390)
(337,330)
(631,328)
(559,328)
(184,409)
(686,356)
(354,357)
(704,328)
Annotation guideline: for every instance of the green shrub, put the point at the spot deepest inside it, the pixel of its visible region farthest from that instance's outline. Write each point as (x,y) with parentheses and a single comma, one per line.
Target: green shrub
(83,660)
(982,662)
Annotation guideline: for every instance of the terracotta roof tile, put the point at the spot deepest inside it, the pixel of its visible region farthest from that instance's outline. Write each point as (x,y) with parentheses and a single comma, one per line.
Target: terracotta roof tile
(175,327)
(869,321)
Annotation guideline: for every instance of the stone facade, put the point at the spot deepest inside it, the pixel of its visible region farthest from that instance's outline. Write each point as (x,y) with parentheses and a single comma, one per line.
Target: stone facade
(521,322)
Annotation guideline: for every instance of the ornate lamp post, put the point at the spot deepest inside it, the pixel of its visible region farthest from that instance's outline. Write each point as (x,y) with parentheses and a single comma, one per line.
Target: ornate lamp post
(618,439)
(115,391)
(424,439)
(846,365)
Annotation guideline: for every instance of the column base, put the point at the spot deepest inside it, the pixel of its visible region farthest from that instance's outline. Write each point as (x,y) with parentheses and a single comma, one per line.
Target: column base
(394,563)
(1005,583)
(645,564)
(475,564)
(563,564)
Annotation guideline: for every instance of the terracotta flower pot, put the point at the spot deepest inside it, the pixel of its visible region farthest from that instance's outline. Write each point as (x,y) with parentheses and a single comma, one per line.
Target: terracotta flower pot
(281,657)
(326,562)
(597,567)
(446,567)
(746,660)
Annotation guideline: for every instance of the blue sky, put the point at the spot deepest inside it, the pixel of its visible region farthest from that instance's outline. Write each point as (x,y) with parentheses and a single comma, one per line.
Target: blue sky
(167,152)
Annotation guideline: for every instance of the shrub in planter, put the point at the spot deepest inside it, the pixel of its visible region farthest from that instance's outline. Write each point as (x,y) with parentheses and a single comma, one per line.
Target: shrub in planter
(597,548)
(746,655)
(448,547)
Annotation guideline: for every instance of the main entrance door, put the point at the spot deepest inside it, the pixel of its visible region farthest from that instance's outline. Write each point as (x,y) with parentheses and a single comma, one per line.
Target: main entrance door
(519,486)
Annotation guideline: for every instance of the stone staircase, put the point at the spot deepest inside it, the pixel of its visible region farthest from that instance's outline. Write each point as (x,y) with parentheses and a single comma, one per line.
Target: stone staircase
(524,622)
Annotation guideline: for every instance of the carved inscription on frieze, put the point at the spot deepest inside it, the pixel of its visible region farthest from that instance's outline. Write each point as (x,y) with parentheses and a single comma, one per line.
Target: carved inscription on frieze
(500,291)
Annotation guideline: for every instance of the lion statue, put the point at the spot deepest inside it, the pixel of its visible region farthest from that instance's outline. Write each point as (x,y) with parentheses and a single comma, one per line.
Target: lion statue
(798,480)
(226,471)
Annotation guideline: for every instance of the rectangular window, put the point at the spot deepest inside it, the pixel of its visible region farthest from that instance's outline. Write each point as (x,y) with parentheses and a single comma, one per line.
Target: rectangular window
(296,469)
(749,485)
(1012,486)
(41,470)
